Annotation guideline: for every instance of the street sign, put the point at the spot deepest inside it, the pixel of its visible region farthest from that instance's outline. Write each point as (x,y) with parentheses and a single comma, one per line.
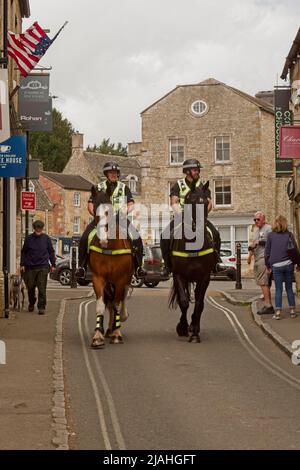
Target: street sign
(13,157)
(28,200)
(283,117)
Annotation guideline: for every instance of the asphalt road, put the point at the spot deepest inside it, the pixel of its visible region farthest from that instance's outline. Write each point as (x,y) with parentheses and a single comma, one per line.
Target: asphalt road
(234,390)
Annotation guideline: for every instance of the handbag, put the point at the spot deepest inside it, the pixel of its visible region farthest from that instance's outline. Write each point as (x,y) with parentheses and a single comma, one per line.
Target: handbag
(292,251)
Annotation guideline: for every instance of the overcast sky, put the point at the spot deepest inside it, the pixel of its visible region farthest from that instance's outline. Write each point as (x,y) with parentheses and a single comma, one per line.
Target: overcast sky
(116,57)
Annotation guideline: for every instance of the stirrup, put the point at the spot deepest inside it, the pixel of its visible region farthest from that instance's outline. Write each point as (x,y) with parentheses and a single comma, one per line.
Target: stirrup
(140,272)
(166,271)
(80,273)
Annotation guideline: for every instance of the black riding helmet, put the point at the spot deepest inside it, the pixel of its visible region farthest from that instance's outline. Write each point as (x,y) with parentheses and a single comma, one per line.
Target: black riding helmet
(111,166)
(190,164)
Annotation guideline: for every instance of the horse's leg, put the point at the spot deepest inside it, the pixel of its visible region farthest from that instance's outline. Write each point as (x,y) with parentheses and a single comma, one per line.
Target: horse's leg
(110,308)
(116,337)
(98,338)
(181,286)
(200,290)
(124,311)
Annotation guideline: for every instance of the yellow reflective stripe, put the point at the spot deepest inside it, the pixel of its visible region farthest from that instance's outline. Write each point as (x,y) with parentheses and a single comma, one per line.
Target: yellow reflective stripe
(124,251)
(182,254)
(90,237)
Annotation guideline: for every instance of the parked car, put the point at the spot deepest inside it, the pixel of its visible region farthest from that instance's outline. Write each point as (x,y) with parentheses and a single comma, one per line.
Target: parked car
(153,264)
(229,260)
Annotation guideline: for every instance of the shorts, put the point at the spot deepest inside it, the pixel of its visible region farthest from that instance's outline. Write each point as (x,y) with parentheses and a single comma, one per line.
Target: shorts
(260,273)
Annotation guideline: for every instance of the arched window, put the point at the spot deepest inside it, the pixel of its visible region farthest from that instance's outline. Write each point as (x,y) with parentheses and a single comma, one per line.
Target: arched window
(132,181)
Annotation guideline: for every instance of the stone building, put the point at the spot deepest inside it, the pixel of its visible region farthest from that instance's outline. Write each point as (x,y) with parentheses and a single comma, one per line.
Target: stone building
(232,134)
(69,196)
(17,10)
(90,164)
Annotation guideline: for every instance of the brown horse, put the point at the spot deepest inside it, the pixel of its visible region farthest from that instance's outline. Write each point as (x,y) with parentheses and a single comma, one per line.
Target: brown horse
(192,267)
(111,263)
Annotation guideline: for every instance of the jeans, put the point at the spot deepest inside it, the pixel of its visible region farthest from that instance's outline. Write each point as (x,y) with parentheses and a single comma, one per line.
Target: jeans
(284,274)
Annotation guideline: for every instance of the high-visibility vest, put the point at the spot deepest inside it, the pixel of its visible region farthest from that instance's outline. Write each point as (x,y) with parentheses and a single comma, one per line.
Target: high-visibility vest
(118,197)
(184,189)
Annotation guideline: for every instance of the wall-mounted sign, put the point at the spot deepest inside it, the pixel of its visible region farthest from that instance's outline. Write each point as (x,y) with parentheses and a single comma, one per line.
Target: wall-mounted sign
(4,106)
(28,201)
(289,142)
(13,157)
(283,116)
(35,104)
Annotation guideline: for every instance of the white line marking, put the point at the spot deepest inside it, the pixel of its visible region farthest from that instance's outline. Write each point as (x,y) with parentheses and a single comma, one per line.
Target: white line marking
(109,398)
(265,361)
(93,382)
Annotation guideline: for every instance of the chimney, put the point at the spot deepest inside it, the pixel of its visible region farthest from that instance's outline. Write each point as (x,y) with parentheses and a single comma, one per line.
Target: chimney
(77,141)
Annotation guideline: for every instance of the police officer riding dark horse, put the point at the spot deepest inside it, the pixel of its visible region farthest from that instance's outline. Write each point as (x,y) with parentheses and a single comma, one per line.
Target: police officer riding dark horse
(179,191)
(190,262)
(120,197)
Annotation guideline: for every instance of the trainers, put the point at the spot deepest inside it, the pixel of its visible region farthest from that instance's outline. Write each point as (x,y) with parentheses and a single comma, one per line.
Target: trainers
(293,314)
(80,273)
(41,312)
(140,272)
(277,315)
(30,308)
(266,311)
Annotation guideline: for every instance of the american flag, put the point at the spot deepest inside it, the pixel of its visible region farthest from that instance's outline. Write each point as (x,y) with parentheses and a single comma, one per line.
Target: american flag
(28,48)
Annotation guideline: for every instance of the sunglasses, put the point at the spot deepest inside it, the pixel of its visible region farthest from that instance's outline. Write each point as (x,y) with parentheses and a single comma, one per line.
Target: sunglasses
(256,220)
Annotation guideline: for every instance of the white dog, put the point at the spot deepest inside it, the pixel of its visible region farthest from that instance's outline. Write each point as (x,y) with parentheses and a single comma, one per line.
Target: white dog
(17,290)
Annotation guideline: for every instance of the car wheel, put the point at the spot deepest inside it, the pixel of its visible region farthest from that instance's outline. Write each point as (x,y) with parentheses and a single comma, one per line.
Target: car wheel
(151,284)
(135,282)
(64,277)
(83,282)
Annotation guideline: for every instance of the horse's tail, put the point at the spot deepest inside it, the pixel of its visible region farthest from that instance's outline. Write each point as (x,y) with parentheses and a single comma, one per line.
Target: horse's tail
(175,295)
(109,293)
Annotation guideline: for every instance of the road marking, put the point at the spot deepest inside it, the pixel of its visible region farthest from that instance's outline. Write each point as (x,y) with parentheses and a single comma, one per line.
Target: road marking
(93,381)
(108,395)
(244,339)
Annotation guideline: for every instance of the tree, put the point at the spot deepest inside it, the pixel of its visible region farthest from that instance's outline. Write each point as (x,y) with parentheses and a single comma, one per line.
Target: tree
(53,148)
(109,149)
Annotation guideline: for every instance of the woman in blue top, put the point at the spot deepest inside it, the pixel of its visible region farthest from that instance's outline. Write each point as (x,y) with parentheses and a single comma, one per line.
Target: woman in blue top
(278,261)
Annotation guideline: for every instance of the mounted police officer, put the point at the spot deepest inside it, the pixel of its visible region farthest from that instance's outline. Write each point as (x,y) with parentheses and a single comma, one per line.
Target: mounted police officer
(191,168)
(119,195)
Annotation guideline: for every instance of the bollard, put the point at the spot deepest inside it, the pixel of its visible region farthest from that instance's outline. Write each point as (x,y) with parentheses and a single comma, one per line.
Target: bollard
(238,284)
(73,283)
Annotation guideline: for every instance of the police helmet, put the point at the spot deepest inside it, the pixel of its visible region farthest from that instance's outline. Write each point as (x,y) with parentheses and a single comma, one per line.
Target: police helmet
(190,164)
(111,166)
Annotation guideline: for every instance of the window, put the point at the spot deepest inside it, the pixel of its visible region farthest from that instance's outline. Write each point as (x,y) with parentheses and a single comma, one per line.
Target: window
(223,192)
(225,234)
(222,149)
(76,225)
(132,184)
(76,200)
(199,108)
(176,151)
(241,236)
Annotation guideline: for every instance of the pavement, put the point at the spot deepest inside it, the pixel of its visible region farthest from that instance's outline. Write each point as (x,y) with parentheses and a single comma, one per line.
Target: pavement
(283,332)
(32,402)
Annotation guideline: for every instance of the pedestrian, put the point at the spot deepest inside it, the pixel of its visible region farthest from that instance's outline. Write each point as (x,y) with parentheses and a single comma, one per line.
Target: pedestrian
(278,261)
(36,256)
(261,273)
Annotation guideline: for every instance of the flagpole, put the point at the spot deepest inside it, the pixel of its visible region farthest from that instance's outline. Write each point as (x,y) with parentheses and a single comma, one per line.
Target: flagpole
(59,31)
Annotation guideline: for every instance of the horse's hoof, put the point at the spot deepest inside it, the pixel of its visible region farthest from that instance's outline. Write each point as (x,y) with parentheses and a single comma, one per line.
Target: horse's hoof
(116,340)
(98,343)
(182,330)
(194,339)
(108,333)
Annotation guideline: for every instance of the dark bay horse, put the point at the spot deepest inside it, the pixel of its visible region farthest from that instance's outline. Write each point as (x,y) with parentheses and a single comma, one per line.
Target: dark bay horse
(111,262)
(192,267)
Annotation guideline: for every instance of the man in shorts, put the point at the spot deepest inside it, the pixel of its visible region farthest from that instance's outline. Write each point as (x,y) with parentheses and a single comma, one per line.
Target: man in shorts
(257,247)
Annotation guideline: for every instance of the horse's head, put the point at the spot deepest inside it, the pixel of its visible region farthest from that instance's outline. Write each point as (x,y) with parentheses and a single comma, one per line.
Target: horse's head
(198,195)
(102,208)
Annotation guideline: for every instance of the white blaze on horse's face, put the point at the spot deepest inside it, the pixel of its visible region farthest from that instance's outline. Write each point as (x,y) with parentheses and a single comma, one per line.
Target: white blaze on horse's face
(102,227)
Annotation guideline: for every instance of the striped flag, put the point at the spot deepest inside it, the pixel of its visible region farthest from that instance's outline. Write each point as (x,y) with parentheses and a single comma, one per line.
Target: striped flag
(28,48)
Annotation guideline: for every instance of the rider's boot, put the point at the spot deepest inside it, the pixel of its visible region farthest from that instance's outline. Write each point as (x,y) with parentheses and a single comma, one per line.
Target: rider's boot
(219,266)
(80,272)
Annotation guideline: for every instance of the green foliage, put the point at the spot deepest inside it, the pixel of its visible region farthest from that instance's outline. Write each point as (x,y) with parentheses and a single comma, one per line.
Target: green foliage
(53,148)
(109,149)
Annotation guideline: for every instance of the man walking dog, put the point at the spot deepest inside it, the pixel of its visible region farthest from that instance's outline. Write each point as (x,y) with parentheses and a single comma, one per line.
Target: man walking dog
(36,256)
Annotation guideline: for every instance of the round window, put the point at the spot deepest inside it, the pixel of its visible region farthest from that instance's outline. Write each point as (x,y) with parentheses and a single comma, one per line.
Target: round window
(199,108)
